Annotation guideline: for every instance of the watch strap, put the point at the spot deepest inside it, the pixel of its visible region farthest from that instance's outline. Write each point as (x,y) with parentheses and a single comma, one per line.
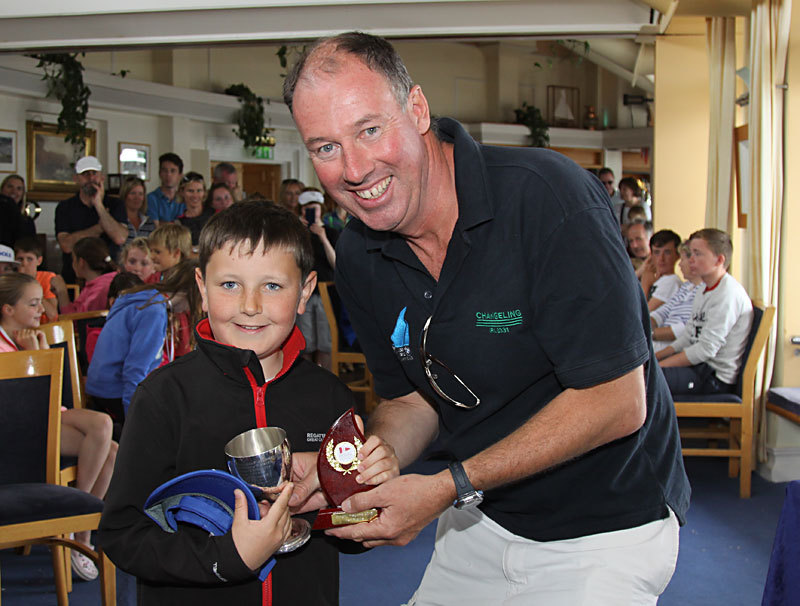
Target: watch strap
(463,485)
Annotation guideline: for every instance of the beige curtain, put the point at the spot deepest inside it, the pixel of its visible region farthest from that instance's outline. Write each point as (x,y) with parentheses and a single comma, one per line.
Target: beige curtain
(769,41)
(721,42)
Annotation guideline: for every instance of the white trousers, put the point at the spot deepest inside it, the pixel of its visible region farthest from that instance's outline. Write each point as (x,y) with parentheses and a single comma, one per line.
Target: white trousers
(478,562)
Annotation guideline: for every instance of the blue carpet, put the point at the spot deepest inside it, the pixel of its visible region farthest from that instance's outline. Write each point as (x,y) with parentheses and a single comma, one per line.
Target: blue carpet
(724,555)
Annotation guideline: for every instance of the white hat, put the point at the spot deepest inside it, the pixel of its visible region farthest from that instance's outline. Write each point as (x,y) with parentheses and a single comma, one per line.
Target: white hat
(88,163)
(7,255)
(310,196)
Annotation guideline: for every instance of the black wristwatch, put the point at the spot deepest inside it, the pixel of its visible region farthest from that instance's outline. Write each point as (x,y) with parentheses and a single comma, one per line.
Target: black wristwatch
(467,495)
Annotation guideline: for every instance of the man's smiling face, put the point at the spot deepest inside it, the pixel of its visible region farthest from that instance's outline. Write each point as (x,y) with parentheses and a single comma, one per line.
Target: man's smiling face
(368,150)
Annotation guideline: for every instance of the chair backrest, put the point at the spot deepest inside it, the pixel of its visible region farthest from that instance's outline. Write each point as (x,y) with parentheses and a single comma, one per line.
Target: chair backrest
(62,334)
(80,321)
(30,415)
(327,293)
(756,341)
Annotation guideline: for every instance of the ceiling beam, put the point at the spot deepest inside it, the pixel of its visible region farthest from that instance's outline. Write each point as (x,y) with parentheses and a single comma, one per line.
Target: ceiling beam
(291,22)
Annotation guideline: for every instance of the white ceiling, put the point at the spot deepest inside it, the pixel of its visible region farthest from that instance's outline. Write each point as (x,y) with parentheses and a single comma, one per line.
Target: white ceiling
(49,24)
(621,31)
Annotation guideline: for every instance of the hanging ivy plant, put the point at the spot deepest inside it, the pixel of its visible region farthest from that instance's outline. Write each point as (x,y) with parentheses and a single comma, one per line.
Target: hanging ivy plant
(283,55)
(64,76)
(531,117)
(250,118)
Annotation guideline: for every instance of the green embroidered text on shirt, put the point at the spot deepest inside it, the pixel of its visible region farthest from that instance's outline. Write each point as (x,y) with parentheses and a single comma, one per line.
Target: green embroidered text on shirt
(498,321)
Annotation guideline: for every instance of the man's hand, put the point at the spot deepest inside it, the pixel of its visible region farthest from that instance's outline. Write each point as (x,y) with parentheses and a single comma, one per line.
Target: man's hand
(99,194)
(408,503)
(257,540)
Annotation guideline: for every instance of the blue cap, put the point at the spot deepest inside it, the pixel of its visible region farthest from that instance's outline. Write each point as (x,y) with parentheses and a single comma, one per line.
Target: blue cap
(202,498)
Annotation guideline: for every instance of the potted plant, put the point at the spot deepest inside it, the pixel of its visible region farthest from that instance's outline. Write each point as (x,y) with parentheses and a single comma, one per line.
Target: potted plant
(531,117)
(250,118)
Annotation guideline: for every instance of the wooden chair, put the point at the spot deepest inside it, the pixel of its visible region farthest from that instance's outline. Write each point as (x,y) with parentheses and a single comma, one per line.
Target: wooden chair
(732,414)
(80,322)
(341,353)
(34,507)
(62,334)
(73,290)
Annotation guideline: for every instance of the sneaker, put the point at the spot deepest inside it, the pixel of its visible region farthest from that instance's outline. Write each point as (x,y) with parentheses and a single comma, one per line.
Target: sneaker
(83,566)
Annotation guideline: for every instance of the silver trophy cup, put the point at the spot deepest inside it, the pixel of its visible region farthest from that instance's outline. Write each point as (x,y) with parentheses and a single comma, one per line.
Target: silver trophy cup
(263,457)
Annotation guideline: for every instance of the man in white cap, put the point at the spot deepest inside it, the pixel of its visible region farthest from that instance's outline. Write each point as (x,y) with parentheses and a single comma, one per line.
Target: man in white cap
(8,261)
(89,213)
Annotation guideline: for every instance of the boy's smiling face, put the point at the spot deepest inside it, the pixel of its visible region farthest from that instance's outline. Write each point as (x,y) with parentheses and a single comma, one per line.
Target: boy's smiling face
(252,299)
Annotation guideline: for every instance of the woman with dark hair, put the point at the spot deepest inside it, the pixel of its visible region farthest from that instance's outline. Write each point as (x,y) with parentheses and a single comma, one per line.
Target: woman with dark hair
(92,263)
(630,190)
(192,192)
(14,223)
(134,197)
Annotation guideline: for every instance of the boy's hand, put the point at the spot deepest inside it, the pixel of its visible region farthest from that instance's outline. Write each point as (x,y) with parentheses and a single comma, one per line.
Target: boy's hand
(307,495)
(257,540)
(378,462)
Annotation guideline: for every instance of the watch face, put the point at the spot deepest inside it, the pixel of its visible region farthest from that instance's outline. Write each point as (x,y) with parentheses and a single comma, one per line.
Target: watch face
(470,499)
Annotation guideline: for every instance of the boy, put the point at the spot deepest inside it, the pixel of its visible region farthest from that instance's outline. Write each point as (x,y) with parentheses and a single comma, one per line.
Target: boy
(29,254)
(658,278)
(254,277)
(705,359)
(169,245)
(162,202)
(668,322)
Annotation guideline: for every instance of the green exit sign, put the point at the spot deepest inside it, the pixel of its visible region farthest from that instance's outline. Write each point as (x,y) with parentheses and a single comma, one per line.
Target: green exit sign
(266,153)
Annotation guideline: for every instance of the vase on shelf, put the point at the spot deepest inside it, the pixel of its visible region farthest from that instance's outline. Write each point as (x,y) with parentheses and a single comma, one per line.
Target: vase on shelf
(590,118)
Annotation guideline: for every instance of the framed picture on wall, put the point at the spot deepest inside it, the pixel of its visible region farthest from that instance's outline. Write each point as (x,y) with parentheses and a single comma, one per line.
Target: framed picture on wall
(134,159)
(8,151)
(51,160)
(562,106)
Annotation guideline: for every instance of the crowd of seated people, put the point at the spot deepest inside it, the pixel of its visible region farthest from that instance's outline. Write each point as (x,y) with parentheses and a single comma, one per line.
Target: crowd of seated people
(130,254)
(700,326)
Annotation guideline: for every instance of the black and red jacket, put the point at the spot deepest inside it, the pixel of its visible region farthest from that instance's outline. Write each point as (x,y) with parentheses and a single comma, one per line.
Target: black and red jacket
(180,419)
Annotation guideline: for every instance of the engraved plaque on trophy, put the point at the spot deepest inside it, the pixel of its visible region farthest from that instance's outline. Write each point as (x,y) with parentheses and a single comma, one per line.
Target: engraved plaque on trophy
(337,464)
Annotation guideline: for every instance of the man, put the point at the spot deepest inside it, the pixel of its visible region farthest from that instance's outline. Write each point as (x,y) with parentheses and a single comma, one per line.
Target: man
(638,235)
(90,212)
(606,176)
(162,202)
(659,280)
(466,255)
(290,194)
(225,173)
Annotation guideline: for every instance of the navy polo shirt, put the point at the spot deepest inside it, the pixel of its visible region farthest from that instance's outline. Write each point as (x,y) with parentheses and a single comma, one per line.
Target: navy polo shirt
(536,295)
(73,215)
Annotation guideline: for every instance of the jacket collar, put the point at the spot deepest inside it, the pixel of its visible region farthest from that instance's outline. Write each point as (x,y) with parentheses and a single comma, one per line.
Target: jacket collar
(232,361)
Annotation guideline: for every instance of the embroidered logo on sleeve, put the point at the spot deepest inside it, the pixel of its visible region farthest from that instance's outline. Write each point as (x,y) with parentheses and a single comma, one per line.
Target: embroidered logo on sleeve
(498,322)
(401,340)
